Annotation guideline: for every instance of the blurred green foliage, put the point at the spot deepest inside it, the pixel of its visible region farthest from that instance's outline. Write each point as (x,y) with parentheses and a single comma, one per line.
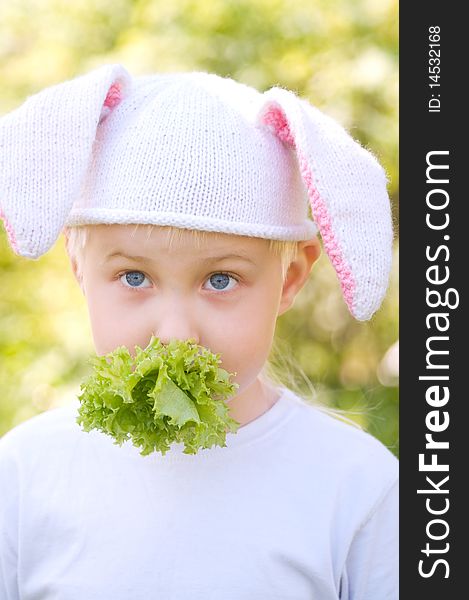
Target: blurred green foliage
(340,54)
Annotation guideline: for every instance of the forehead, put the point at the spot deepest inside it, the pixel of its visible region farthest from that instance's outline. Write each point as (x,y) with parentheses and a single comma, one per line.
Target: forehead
(136,239)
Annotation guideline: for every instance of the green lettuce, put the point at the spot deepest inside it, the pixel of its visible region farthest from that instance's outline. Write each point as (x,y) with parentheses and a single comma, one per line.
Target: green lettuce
(165,394)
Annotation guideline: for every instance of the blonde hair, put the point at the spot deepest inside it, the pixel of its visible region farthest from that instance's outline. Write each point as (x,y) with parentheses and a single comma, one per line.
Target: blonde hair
(77,237)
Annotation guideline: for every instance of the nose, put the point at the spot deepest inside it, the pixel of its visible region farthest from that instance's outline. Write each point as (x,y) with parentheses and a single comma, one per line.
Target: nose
(175,321)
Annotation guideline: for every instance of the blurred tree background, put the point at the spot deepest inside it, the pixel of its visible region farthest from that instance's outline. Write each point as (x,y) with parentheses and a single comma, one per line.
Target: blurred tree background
(340,54)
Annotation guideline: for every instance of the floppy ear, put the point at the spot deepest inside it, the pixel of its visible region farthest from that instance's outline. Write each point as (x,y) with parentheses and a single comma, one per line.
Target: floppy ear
(45,149)
(347,190)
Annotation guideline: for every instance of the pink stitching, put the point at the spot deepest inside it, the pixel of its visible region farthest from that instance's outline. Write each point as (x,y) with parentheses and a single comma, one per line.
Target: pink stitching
(324,222)
(10,232)
(276,119)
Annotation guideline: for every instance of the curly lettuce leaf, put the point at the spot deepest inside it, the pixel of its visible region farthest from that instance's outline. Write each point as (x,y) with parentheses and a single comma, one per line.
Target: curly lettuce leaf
(166,394)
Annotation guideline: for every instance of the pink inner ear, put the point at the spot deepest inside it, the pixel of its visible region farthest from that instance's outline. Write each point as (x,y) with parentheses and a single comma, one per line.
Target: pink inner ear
(10,232)
(113,96)
(275,118)
(112,99)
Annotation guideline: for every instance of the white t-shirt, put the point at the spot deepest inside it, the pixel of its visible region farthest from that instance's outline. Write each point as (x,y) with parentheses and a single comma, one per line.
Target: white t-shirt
(298,506)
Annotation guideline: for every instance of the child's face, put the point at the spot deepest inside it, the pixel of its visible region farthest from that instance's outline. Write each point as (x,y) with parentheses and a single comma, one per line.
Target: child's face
(227,303)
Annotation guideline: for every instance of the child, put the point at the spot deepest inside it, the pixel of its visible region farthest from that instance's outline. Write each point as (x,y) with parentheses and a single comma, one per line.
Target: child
(184,199)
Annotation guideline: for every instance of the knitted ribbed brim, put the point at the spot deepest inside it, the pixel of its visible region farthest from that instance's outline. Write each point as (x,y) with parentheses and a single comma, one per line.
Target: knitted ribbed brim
(196,151)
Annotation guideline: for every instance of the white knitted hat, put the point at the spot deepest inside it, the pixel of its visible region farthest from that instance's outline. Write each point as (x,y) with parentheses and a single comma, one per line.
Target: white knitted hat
(196,151)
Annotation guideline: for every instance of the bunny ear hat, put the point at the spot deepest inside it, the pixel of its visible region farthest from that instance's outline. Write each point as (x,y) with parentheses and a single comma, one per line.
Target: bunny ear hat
(196,151)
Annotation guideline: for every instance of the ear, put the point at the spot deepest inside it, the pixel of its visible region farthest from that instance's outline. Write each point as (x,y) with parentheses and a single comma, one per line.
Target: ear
(298,272)
(45,150)
(346,187)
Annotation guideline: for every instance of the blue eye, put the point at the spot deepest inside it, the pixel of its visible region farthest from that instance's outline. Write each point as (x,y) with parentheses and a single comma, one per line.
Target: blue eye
(221,281)
(133,279)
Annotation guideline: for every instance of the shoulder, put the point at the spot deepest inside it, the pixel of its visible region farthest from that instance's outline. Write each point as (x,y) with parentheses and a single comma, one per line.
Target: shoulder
(50,432)
(54,419)
(344,456)
(323,430)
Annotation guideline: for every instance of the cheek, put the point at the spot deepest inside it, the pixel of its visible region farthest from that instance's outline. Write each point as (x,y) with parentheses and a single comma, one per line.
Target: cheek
(111,327)
(245,339)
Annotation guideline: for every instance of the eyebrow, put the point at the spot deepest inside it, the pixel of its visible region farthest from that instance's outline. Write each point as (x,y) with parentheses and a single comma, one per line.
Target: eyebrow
(208,259)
